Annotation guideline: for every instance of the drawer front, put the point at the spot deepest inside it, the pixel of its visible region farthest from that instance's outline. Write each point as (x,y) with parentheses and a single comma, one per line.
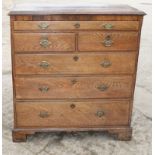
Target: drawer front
(76,25)
(35,42)
(73,87)
(107,41)
(72,114)
(106,63)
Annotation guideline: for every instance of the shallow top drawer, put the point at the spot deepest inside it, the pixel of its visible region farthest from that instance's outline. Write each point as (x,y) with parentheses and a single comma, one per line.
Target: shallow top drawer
(76,25)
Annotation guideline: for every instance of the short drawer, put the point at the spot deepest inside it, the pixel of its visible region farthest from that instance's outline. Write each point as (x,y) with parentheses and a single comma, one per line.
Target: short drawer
(72,114)
(75,25)
(104,63)
(36,42)
(107,41)
(73,87)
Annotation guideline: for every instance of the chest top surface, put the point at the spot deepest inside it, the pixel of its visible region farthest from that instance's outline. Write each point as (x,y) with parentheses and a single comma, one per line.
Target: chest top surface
(47,9)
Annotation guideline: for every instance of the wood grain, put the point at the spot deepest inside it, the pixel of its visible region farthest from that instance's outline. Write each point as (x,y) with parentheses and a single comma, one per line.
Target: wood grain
(73,87)
(63,114)
(93,41)
(27,42)
(70,25)
(48,9)
(78,17)
(120,63)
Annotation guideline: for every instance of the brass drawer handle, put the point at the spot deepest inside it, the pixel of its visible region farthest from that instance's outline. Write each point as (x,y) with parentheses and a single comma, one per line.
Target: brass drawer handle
(44,114)
(100,113)
(44,64)
(102,87)
(107,41)
(44,89)
(106,63)
(43,26)
(74,81)
(44,42)
(108,26)
(76,58)
(77,25)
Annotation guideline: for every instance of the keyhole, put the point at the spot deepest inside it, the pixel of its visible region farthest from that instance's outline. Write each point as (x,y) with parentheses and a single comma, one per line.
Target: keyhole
(72,106)
(75,58)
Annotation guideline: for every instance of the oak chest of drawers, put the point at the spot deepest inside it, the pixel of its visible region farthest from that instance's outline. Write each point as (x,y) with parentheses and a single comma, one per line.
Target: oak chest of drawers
(74,68)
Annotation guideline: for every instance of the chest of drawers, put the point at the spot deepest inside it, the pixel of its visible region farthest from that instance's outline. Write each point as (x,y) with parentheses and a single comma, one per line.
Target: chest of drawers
(74,68)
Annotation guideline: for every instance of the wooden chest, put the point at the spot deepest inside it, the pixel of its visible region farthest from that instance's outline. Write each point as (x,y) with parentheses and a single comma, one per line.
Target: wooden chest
(74,68)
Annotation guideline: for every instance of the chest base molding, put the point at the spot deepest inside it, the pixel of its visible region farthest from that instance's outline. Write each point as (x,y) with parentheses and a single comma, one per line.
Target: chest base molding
(118,133)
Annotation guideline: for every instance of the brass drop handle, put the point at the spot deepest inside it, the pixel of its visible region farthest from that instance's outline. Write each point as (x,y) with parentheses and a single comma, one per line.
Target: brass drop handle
(77,25)
(44,114)
(44,89)
(107,42)
(44,64)
(43,26)
(100,113)
(106,63)
(102,87)
(44,42)
(108,26)
(74,81)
